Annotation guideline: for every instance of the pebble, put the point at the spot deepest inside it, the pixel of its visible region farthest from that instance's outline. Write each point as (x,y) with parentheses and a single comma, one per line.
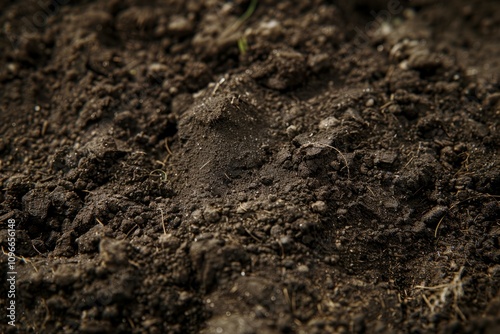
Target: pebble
(341,211)
(211,215)
(391,203)
(385,157)
(180,25)
(285,240)
(319,207)
(197,215)
(328,123)
(303,268)
(291,131)
(433,215)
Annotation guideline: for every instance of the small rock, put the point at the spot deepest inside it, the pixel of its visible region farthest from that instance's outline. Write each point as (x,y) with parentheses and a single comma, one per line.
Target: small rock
(328,123)
(391,203)
(271,29)
(180,26)
(211,215)
(303,268)
(155,68)
(341,211)
(424,60)
(385,157)
(285,240)
(291,131)
(197,215)
(319,207)
(434,215)
(353,115)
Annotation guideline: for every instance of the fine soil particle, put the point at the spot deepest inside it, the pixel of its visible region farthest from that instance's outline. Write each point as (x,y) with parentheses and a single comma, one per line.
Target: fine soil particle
(314,167)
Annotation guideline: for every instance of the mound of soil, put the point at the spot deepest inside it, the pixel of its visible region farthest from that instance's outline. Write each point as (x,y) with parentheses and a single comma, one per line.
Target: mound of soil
(197,166)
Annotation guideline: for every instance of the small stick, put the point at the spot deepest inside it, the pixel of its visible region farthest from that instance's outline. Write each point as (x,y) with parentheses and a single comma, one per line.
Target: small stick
(167,147)
(287,298)
(28,261)
(163,222)
(131,230)
(409,161)
(253,236)
(40,253)
(436,287)
(427,302)
(206,163)
(437,227)
(221,81)
(100,222)
(342,155)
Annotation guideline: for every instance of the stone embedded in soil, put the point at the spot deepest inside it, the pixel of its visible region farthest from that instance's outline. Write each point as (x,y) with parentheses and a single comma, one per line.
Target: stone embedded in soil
(328,122)
(303,268)
(385,157)
(432,217)
(211,215)
(180,26)
(319,207)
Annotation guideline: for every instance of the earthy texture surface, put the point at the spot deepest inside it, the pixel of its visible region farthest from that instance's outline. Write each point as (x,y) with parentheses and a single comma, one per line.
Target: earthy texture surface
(338,172)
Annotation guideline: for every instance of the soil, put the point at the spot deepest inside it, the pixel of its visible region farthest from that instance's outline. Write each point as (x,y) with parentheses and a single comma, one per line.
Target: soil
(193,167)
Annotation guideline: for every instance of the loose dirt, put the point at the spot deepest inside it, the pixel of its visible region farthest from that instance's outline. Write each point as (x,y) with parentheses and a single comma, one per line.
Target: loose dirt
(314,167)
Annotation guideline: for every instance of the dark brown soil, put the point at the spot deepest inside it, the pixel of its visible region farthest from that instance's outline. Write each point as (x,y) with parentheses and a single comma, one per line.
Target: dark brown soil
(340,174)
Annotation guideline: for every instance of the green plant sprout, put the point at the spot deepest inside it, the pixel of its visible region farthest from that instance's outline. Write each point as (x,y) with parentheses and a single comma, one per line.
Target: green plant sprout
(161,173)
(249,11)
(243,45)
(233,28)
(242,41)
